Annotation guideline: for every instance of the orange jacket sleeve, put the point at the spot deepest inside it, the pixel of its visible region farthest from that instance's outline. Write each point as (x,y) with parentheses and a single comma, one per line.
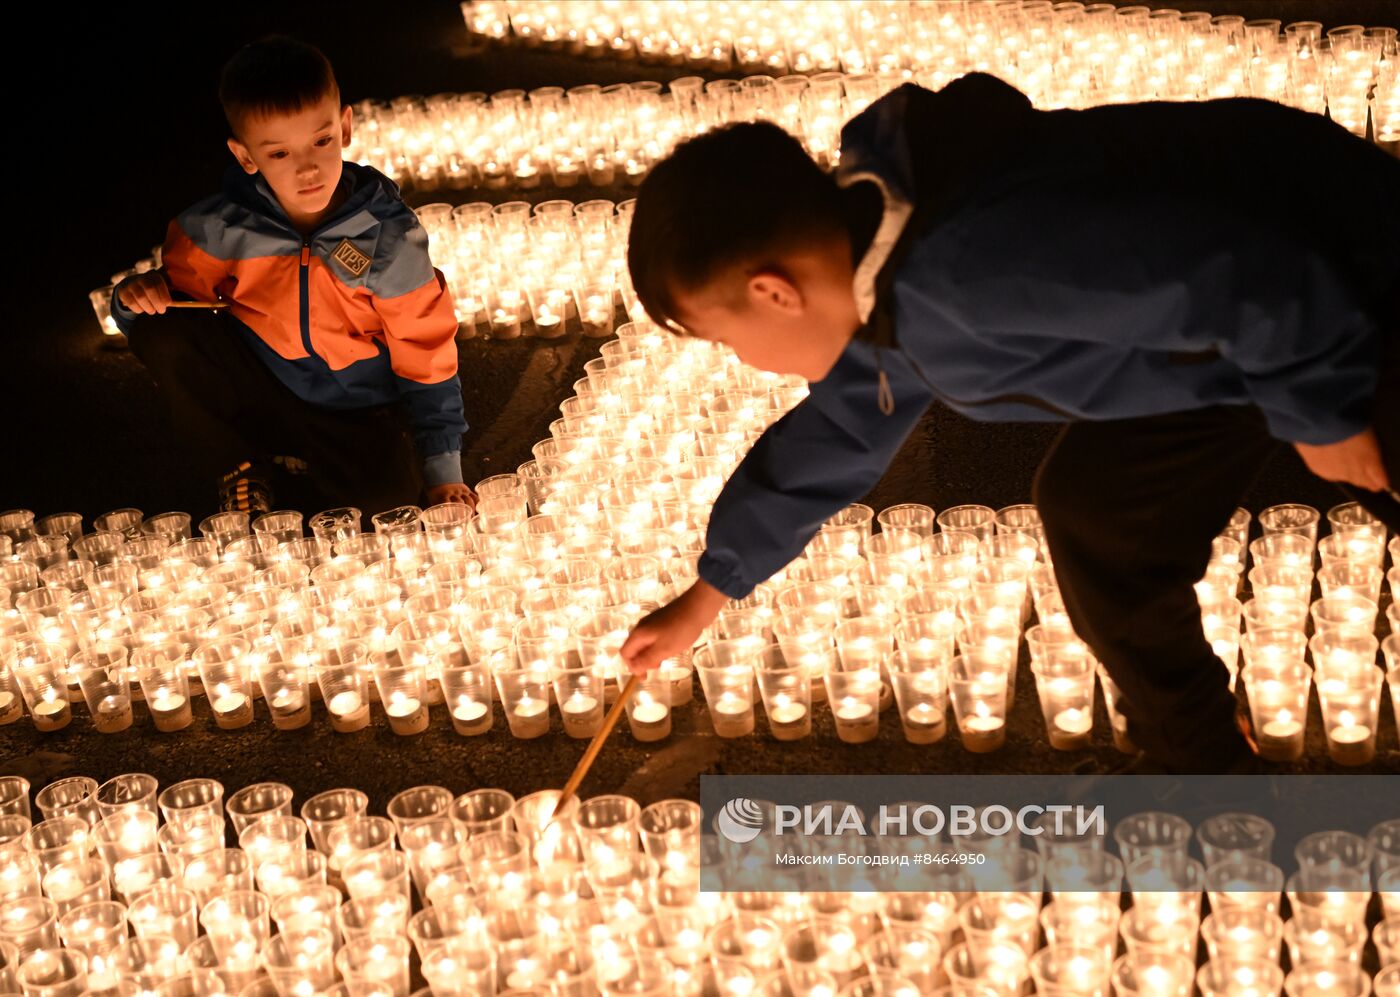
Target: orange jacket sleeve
(188,268)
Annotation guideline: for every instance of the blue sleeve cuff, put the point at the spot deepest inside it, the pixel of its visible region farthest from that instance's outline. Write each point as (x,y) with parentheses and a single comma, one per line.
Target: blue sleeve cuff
(435,413)
(443,469)
(120,314)
(724,575)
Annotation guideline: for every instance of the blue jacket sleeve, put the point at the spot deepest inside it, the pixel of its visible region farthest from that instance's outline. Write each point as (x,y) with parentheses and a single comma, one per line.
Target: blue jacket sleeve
(435,413)
(1309,356)
(826,453)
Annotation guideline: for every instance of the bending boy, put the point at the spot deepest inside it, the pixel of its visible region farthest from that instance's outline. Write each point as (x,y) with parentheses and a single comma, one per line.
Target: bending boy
(1149,274)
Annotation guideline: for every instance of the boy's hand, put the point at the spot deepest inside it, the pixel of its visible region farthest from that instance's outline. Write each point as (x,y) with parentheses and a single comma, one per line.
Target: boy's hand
(1353,461)
(673,629)
(146,293)
(455,492)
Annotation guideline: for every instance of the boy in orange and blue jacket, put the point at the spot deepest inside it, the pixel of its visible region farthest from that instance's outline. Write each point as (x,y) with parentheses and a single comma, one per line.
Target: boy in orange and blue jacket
(335,338)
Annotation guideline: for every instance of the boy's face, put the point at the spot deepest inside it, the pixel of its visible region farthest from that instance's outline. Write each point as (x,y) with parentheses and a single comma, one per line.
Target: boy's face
(795,318)
(298,154)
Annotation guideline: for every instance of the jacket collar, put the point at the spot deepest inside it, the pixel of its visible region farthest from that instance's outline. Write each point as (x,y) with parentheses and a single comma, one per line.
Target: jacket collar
(371,191)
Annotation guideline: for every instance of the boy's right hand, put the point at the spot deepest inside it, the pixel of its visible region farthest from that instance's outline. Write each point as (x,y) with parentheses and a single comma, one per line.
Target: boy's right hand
(145,294)
(673,629)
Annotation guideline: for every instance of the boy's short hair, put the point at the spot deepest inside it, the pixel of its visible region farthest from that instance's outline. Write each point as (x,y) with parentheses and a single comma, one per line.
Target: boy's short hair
(275,75)
(740,195)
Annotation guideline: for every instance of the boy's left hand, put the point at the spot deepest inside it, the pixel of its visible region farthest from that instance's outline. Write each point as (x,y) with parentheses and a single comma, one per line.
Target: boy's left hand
(455,492)
(1353,461)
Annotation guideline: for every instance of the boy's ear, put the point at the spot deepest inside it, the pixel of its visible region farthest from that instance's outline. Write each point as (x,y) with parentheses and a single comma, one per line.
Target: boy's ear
(240,153)
(345,122)
(774,290)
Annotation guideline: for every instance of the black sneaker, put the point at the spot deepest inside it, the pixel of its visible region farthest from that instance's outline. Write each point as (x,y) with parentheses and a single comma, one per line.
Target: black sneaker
(245,489)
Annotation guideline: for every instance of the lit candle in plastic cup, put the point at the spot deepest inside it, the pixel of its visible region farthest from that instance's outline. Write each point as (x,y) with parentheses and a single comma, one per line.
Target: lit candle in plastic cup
(580,695)
(223,669)
(1326,978)
(342,672)
(927,639)
(854,698)
(283,676)
(1275,613)
(977,684)
(1351,712)
(809,646)
(76,882)
(53,972)
(165,685)
(649,709)
(1243,933)
(102,673)
(785,688)
(467,691)
(921,693)
(728,692)
(1065,684)
(324,811)
(402,692)
(680,675)
(1349,615)
(39,671)
(524,696)
(1278,704)
(1069,969)
(1148,974)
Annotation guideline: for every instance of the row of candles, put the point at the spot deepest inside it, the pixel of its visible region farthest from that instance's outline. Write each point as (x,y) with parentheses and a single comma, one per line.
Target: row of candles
(440,606)
(534,592)
(1072,45)
(1065,56)
(611,136)
(126,887)
(512,269)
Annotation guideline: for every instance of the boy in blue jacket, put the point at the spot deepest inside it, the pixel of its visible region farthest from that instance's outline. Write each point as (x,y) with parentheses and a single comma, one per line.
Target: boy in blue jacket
(1149,274)
(338,345)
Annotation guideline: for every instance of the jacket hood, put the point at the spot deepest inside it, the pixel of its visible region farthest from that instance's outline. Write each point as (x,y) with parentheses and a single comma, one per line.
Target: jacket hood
(929,145)
(924,149)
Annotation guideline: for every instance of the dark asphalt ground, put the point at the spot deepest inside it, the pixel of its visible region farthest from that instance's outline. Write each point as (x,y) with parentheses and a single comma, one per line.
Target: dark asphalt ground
(81,428)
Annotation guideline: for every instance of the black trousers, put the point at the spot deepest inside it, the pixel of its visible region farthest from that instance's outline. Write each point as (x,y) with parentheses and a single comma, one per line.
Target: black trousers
(226,407)
(1130,509)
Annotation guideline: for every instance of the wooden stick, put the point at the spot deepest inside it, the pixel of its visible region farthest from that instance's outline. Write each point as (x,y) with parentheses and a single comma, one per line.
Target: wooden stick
(596,745)
(197,304)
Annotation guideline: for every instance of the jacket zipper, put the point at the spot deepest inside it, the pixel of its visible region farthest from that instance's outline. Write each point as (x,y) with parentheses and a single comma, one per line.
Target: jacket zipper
(304,282)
